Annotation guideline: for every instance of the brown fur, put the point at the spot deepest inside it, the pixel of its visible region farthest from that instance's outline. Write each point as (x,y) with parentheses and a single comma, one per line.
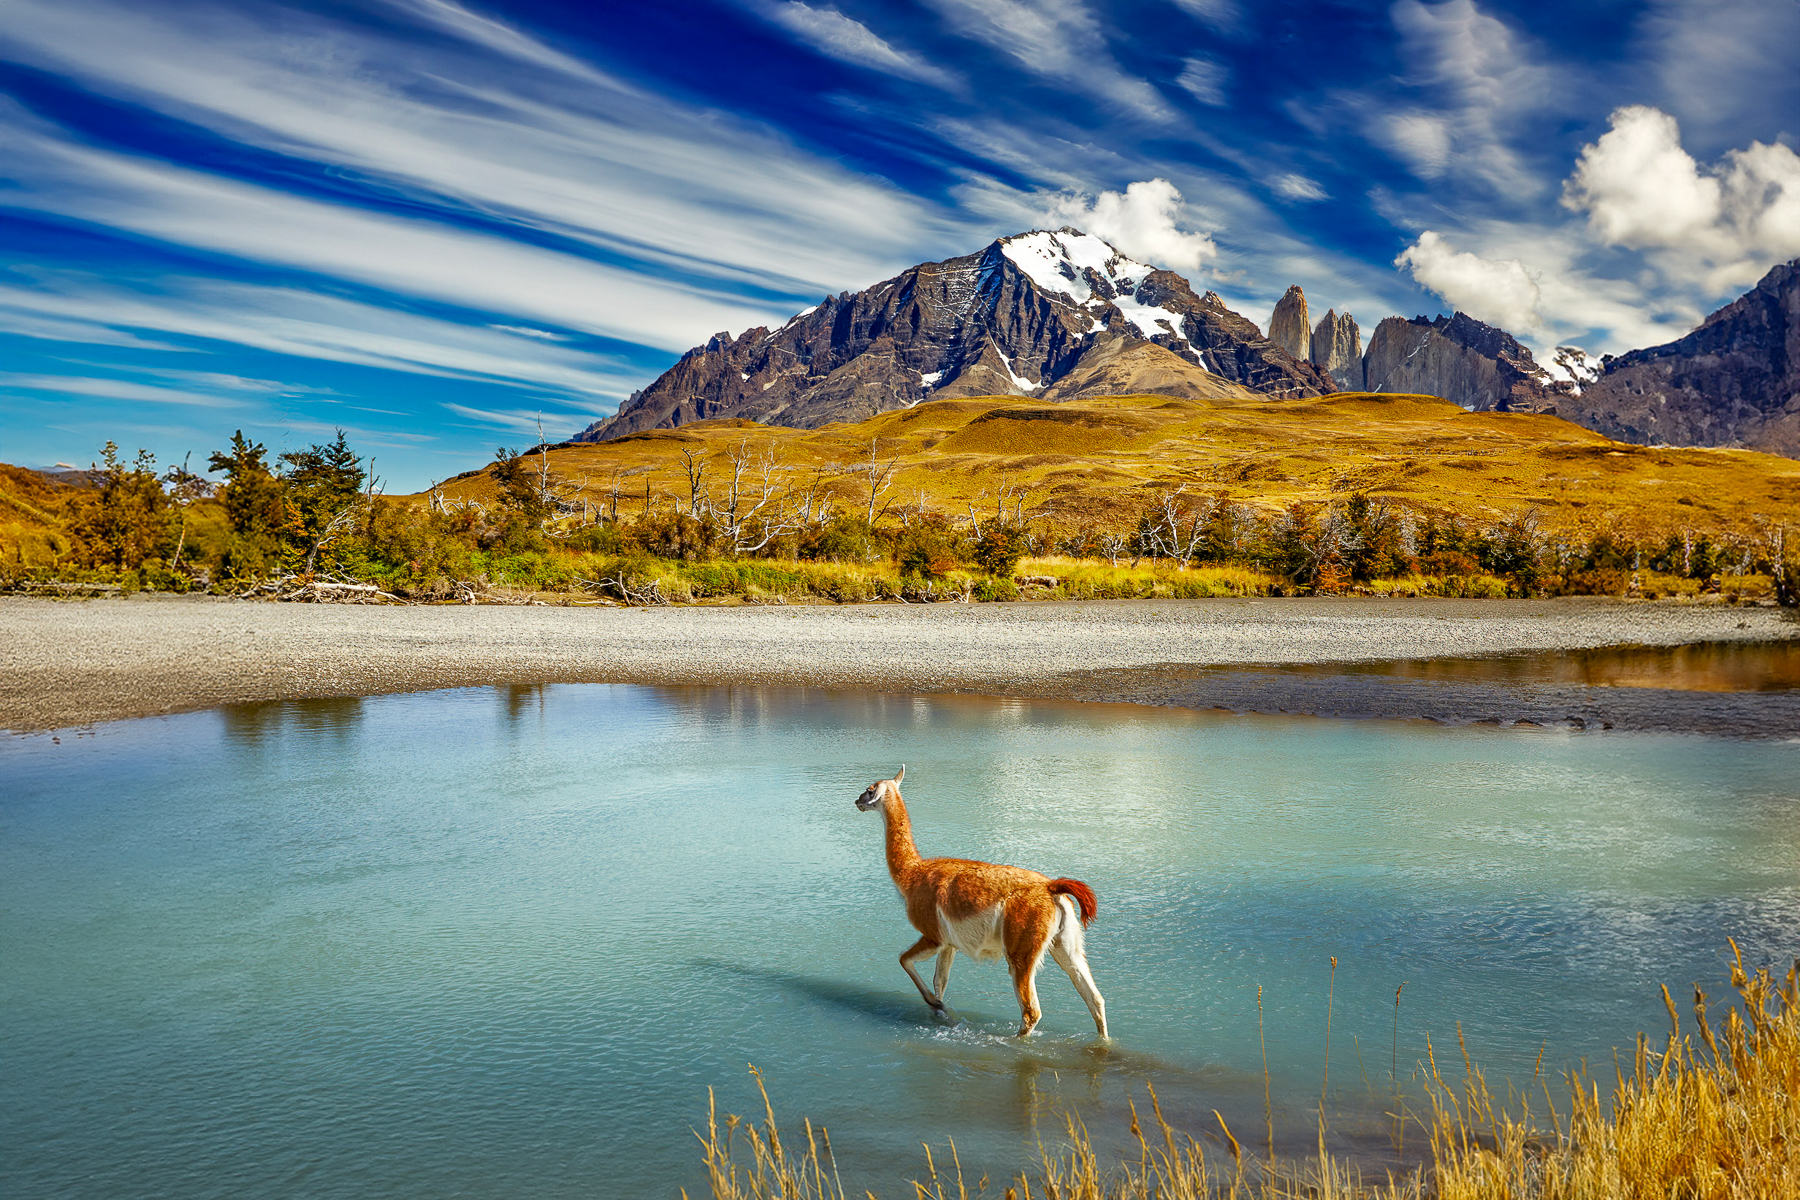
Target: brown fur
(1083,894)
(962,888)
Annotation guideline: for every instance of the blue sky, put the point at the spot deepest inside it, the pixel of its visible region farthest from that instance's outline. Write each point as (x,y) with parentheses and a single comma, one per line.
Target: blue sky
(433,223)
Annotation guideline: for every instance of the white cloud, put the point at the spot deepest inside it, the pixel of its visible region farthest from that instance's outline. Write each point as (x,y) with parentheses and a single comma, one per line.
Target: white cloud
(1298,187)
(1223,15)
(291,321)
(110,389)
(1482,82)
(1538,283)
(543,335)
(492,122)
(527,421)
(1721,227)
(1204,80)
(1421,139)
(1141,221)
(1501,293)
(412,257)
(1060,40)
(848,40)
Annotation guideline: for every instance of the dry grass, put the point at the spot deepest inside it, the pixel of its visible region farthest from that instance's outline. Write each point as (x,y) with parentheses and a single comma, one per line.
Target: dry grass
(1094,462)
(1713,1115)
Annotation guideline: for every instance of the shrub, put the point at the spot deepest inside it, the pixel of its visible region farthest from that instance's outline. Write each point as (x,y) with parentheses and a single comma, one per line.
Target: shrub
(999,549)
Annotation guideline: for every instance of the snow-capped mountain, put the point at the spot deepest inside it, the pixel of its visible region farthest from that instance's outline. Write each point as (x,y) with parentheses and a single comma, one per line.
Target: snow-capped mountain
(1057,314)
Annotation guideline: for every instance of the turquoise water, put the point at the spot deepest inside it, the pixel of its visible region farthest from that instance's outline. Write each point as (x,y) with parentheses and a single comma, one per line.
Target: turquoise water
(500,942)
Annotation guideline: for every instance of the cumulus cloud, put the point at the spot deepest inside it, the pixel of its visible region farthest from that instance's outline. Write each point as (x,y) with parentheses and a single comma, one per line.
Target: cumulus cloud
(1141,221)
(1499,292)
(848,40)
(1723,225)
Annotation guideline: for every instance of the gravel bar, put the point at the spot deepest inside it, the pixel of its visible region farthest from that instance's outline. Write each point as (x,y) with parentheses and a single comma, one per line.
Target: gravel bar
(70,663)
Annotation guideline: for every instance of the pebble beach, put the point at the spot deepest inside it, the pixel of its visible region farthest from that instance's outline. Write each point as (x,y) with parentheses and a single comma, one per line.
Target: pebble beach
(73,663)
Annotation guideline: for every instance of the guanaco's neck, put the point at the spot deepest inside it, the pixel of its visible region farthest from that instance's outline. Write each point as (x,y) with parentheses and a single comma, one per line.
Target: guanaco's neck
(901,852)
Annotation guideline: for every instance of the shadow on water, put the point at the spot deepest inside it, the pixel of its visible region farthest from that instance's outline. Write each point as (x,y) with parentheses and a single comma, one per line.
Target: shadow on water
(883,1006)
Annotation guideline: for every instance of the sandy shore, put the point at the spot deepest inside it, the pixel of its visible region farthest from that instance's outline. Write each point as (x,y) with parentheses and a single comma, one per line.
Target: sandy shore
(68,663)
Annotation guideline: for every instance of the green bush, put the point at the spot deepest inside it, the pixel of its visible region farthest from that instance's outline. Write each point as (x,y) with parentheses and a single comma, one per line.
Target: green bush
(996,588)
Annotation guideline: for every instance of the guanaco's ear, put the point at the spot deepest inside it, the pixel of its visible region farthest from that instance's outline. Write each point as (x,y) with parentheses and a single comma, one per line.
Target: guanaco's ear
(902,774)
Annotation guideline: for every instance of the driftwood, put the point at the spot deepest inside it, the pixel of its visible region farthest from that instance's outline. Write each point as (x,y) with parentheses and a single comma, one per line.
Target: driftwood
(1043,581)
(319,591)
(622,586)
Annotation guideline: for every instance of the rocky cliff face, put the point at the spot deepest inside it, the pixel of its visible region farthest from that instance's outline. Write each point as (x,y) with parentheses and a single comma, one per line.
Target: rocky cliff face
(1289,326)
(1461,359)
(1337,350)
(1050,314)
(1735,381)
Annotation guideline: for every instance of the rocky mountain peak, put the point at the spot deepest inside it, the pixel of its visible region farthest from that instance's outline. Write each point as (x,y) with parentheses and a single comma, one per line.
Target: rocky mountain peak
(1289,327)
(1466,361)
(1035,313)
(1734,381)
(1337,349)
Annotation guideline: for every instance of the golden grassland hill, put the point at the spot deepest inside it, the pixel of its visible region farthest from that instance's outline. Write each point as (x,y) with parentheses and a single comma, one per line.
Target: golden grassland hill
(1098,461)
(33,513)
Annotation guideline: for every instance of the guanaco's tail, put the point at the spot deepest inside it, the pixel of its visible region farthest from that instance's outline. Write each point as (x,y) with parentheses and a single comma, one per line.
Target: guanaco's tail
(1082,894)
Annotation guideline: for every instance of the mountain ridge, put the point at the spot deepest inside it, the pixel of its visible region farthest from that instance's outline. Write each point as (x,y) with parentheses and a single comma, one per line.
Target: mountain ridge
(1019,317)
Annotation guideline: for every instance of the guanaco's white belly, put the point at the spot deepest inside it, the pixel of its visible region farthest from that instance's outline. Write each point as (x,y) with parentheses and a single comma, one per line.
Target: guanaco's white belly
(978,936)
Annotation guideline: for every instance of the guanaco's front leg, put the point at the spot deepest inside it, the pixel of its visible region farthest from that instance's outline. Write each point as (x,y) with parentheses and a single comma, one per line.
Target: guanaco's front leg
(923,948)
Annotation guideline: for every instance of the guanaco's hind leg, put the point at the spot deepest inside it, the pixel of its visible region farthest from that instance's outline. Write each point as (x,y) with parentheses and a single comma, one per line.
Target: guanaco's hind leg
(1073,960)
(941,979)
(1029,924)
(923,948)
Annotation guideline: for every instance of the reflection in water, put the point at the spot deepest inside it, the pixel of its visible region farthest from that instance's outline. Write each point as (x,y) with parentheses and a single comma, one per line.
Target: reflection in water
(334,719)
(1700,667)
(499,942)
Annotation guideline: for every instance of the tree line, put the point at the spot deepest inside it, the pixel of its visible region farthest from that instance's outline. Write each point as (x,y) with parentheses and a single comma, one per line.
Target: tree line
(320,511)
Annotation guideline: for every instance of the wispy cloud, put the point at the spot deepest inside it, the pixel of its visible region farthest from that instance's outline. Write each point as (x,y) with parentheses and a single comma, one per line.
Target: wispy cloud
(848,40)
(1058,40)
(308,325)
(111,389)
(561,147)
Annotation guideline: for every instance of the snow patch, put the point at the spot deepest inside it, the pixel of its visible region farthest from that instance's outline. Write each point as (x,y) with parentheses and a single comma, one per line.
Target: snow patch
(931,380)
(1573,364)
(1056,262)
(1147,317)
(1019,381)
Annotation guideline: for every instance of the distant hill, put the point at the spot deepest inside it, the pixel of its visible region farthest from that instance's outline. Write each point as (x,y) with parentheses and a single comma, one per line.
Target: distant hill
(1096,462)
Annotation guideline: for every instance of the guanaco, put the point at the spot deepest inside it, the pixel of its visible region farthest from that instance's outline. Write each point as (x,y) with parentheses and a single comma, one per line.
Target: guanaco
(985,910)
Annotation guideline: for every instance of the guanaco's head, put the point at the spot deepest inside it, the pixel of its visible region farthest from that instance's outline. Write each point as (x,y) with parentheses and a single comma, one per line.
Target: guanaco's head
(877,792)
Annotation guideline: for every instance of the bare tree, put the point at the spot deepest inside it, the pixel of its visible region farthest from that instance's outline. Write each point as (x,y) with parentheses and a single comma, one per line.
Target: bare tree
(694,464)
(813,505)
(1177,528)
(752,516)
(878,475)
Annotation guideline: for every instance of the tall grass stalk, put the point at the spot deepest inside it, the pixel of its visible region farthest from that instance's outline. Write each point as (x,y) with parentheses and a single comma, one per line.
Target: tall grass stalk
(1711,1115)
